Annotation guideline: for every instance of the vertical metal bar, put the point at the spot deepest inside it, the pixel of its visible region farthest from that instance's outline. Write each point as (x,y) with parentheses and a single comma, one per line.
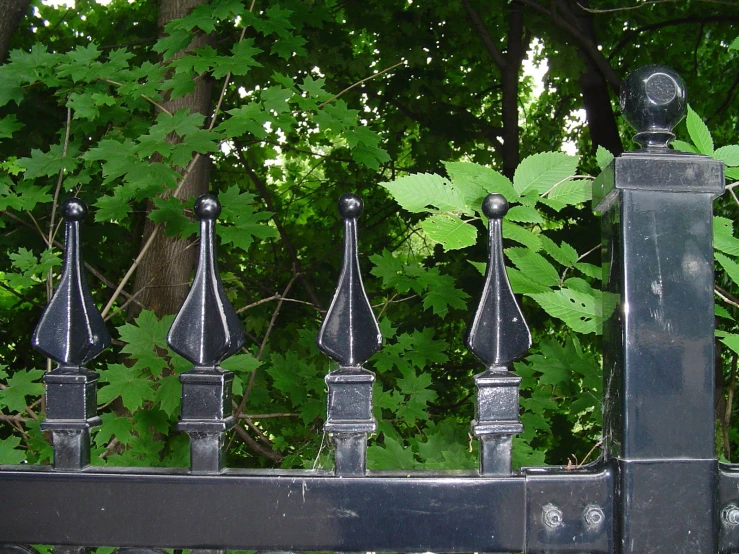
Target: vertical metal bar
(71,332)
(350,335)
(658,341)
(498,335)
(206,331)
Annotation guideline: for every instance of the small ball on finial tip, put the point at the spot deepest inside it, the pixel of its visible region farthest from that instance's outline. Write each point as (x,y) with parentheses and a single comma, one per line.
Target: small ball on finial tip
(350,206)
(495,206)
(74,209)
(653,101)
(207,206)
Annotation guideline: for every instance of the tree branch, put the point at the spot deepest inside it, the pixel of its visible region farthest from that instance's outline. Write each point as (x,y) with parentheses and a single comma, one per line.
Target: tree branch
(590,49)
(484,35)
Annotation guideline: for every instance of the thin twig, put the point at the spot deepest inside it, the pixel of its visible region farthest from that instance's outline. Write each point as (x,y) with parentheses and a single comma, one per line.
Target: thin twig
(228,78)
(347,89)
(568,178)
(59,181)
(253,376)
(266,416)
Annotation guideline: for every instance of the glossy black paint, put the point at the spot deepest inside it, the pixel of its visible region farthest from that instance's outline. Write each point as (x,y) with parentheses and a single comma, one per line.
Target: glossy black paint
(206,331)
(658,337)
(657,487)
(71,332)
(274,510)
(349,335)
(498,335)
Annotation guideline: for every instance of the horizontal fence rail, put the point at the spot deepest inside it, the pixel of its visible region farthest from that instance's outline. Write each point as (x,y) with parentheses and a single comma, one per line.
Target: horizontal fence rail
(657,487)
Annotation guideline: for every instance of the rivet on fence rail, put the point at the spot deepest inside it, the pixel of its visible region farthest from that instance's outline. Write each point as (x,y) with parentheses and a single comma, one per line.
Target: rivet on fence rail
(349,335)
(205,332)
(498,335)
(71,332)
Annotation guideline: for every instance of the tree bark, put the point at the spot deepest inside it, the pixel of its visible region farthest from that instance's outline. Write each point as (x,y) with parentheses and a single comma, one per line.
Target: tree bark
(164,274)
(10,16)
(594,88)
(510,69)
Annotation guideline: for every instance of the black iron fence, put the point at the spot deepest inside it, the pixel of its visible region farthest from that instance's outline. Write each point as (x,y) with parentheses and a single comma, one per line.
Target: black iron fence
(657,486)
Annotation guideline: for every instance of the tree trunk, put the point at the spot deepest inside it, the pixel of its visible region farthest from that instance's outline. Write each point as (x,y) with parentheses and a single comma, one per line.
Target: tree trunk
(165,271)
(511,72)
(10,16)
(594,88)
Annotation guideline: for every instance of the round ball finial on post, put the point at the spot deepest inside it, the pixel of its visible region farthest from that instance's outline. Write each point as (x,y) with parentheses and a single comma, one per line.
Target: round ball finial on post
(653,101)
(350,206)
(207,206)
(495,206)
(74,209)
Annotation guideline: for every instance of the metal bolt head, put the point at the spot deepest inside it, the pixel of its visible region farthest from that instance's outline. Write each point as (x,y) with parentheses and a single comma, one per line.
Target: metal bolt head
(730,515)
(552,516)
(593,515)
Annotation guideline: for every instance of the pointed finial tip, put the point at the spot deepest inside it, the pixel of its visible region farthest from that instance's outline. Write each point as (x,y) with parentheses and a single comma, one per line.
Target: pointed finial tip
(74,209)
(350,206)
(207,206)
(495,206)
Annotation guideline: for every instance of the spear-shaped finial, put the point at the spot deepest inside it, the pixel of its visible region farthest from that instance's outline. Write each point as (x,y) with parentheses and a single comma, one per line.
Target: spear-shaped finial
(71,330)
(206,329)
(498,334)
(350,334)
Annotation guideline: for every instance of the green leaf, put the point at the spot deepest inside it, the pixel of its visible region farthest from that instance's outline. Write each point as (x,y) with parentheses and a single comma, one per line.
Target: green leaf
(564,254)
(168,395)
(578,310)
(144,338)
(720,311)
(425,191)
(540,172)
(603,157)
(734,45)
(170,212)
(682,146)
(289,46)
(124,382)
(46,164)
(450,231)
(475,181)
(9,125)
(514,232)
(590,270)
(723,236)
(728,154)
(534,266)
(575,191)
(443,294)
(20,385)
(9,453)
(241,363)
(520,284)
(524,214)
(699,133)
(390,456)
(732,341)
(729,265)
(315,88)
(114,425)
(732,173)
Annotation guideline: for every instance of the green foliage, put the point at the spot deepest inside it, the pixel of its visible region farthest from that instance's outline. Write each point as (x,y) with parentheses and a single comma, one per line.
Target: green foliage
(308,112)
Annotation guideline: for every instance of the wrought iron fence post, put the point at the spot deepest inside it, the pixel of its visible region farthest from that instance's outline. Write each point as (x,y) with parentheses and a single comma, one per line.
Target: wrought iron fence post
(498,335)
(658,393)
(349,335)
(205,332)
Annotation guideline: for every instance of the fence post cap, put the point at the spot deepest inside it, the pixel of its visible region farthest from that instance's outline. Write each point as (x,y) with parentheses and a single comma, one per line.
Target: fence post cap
(653,101)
